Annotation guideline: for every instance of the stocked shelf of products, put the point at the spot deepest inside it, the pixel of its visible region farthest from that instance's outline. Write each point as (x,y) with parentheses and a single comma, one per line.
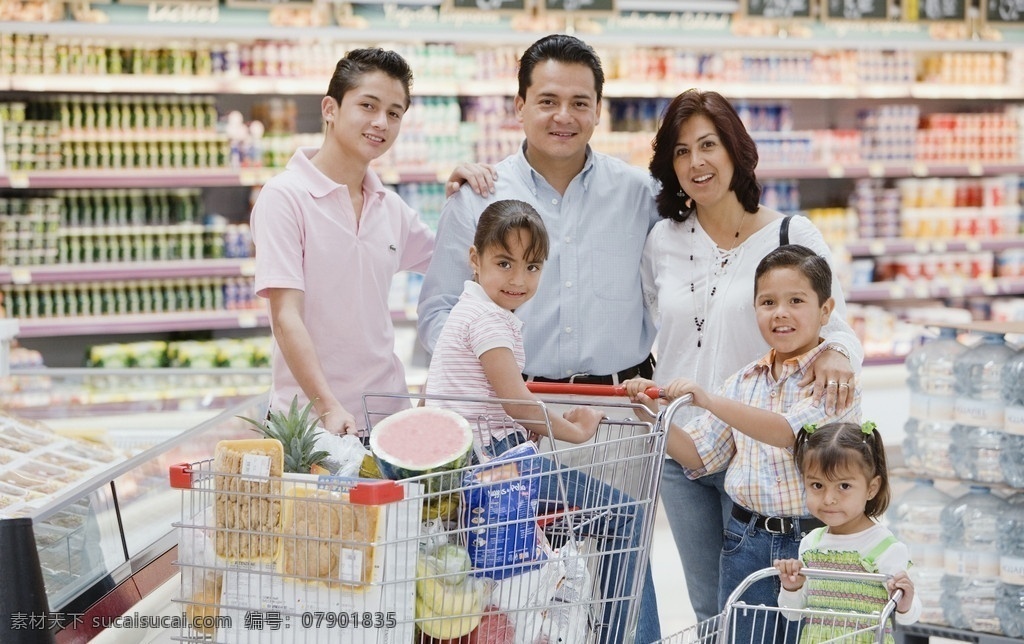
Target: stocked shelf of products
(89,107)
(143,323)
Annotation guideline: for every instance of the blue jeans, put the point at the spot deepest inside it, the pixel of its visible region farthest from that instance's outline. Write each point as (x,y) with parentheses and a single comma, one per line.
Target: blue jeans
(617,532)
(748,549)
(697,512)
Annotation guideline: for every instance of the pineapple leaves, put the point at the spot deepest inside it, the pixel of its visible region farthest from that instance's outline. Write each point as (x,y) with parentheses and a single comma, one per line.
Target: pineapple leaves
(296,431)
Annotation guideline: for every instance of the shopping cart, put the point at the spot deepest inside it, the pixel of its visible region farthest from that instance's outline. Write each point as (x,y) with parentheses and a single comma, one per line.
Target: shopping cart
(770,624)
(543,543)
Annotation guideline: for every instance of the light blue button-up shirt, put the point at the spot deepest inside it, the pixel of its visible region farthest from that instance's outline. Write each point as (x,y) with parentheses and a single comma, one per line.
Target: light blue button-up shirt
(588,314)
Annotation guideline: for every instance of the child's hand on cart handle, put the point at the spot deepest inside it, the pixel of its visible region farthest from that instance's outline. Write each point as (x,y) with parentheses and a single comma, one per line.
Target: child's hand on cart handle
(789,574)
(901,581)
(639,391)
(586,420)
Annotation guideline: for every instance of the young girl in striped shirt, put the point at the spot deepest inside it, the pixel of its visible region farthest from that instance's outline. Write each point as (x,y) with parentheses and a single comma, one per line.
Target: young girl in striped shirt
(479,353)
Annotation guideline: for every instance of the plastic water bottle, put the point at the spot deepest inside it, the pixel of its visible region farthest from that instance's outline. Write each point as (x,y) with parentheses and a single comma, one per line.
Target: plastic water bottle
(1011,457)
(915,519)
(1010,591)
(926,446)
(932,382)
(979,409)
(930,366)
(970,528)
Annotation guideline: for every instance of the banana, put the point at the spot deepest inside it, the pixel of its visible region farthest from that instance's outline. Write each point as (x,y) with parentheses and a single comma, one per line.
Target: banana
(445,628)
(445,600)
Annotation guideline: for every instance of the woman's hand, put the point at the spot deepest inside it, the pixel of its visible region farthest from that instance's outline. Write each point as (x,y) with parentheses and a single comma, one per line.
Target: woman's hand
(789,574)
(834,380)
(479,176)
(337,420)
(902,581)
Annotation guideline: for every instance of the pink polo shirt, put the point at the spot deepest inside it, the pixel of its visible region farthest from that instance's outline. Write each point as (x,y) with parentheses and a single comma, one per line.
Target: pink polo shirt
(306,238)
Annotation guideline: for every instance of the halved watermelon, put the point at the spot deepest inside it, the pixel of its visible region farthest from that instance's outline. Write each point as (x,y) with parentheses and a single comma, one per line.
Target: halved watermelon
(422,440)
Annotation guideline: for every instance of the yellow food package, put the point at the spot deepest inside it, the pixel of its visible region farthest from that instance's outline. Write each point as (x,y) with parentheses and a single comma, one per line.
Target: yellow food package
(247,507)
(327,539)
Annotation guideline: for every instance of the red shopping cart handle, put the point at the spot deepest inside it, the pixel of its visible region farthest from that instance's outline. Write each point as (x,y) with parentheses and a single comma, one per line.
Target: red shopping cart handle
(586,390)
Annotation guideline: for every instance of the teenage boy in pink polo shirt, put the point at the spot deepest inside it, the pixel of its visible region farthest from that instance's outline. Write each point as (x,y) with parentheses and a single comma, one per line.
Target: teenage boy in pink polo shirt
(329,237)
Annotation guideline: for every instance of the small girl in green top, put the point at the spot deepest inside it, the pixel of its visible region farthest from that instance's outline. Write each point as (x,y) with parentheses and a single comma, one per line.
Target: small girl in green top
(846,481)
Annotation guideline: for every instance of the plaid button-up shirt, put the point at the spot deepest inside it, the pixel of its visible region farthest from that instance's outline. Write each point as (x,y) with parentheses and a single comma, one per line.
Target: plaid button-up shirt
(760,477)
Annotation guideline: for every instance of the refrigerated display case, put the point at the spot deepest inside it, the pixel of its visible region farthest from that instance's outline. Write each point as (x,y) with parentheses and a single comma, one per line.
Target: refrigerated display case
(86,546)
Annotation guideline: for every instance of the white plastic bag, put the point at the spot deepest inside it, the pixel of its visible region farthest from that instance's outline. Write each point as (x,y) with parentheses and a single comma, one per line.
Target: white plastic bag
(347,451)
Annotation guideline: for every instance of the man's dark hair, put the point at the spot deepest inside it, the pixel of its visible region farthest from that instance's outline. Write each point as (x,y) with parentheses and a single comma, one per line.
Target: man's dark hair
(563,49)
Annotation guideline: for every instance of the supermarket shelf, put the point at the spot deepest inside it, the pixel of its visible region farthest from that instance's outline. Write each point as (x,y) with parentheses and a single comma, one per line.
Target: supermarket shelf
(878,170)
(143,323)
(134,178)
(224,177)
(615,88)
(923,632)
(193,178)
(128,270)
(875,247)
(885,291)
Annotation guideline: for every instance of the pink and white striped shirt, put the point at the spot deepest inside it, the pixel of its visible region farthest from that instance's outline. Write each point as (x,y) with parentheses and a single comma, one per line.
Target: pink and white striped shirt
(475,325)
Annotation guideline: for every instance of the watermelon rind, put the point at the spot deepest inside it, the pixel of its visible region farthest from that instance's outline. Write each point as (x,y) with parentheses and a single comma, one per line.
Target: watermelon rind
(394,468)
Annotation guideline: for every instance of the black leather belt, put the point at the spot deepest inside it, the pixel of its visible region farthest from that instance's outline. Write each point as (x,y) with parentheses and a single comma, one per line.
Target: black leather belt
(797,526)
(645,370)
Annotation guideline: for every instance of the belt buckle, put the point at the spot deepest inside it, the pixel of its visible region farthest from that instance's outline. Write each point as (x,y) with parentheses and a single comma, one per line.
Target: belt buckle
(573,377)
(782,525)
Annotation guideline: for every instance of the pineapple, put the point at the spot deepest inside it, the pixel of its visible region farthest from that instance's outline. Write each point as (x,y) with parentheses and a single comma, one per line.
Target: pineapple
(296,432)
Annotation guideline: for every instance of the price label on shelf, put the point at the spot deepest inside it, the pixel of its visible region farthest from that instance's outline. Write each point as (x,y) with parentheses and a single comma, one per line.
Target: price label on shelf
(876,170)
(972,245)
(836,171)
(248,320)
(939,246)
(897,291)
(975,169)
(956,289)
(989,287)
(18,180)
(921,247)
(247,268)
(21,276)
(877,247)
(248,177)
(922,291)
(919,170)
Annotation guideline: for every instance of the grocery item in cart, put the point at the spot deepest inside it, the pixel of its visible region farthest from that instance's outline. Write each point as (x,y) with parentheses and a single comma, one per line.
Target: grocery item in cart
(247,500)
(422,440)
(325,538)
(499,508)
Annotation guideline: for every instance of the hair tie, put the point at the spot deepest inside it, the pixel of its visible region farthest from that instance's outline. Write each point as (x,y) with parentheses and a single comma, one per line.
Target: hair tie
(810,428)
(868,427)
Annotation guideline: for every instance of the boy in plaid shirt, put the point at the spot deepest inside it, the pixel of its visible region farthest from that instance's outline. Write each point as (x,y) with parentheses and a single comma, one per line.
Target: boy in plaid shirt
(749,427)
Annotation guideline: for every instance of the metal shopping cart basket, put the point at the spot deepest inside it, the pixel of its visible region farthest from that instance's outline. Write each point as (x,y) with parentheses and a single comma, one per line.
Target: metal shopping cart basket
(543,543)
(740,623)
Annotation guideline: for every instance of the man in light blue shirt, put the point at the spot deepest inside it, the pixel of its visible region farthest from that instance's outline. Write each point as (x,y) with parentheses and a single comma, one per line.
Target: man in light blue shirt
(587,321)
(588,316)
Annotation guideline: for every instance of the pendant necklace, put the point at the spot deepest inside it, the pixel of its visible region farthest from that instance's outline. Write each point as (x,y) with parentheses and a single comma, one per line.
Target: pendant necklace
(716,270)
